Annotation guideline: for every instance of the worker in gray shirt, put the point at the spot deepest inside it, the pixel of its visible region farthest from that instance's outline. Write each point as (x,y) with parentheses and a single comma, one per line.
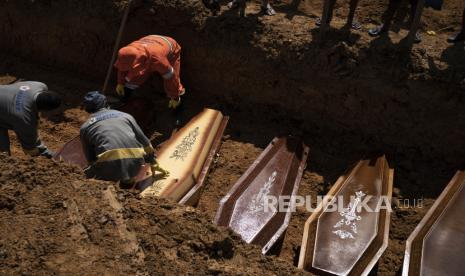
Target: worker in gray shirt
(20,104)
(113,143)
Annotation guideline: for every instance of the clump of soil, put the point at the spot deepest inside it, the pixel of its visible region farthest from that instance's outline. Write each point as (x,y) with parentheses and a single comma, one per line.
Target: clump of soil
(54,221)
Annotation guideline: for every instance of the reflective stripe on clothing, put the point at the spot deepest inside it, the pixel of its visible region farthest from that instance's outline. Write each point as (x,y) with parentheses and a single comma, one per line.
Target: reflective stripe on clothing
(19,101)
(146,41)
(131,86)
(169,75)
(115,170)
(118,154)
(167,41)
(105,116)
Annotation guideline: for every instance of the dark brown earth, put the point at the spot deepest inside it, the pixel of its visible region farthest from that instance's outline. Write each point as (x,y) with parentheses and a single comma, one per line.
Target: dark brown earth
(349,98)
(56,222)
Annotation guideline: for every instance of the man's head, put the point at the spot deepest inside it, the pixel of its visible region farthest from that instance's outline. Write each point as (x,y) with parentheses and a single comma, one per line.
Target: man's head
(94,101)
(47,101)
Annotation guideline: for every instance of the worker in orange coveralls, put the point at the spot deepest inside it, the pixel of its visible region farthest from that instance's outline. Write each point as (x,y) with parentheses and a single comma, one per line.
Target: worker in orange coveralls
(150,54)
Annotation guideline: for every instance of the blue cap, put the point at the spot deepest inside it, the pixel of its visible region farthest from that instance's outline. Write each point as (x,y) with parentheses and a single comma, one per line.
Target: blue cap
(93,101)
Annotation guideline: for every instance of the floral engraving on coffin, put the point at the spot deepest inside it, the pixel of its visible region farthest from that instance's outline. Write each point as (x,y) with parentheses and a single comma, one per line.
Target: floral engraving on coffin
(258,203)
(347,226)
(186,146)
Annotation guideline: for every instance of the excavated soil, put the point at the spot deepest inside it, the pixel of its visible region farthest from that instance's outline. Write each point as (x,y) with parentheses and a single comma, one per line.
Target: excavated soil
(54,221)
(349,98)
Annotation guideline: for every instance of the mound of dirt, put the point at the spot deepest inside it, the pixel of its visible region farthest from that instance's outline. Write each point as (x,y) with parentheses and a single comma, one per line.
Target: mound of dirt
(53,220)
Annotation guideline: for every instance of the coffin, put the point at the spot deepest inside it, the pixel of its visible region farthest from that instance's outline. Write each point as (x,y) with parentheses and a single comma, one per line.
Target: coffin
(187,156)
(72,153)
(276,172)
(437,245)
(349,240)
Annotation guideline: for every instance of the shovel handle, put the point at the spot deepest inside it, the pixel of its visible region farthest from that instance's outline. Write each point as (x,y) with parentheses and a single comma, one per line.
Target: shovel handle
(117,44)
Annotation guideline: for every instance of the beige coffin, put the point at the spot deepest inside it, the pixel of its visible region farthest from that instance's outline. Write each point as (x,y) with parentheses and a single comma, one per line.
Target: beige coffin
(184,155)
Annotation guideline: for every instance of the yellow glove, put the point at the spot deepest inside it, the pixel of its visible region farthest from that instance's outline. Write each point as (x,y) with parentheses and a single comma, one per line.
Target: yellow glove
(174,103)
(120,90)
(156,168)
(149,149)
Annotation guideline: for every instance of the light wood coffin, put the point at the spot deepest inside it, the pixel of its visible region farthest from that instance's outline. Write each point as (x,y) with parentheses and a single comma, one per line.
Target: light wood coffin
(437,245)
(276,172)
(185,155)
(349,239)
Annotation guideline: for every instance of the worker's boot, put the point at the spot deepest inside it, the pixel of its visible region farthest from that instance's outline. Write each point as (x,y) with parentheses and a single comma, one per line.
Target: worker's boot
(356,26)
(457,38)
(418,37)
(234,4)
(238,4)
(378,30)
(268,10)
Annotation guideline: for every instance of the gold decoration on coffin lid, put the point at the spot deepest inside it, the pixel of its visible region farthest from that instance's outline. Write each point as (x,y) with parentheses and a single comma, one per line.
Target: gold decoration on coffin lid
(184,155)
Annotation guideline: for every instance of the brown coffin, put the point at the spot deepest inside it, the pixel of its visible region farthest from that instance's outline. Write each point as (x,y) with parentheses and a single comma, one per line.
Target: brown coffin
(187,156)
(277,172)
(350,240)
(437,246)
(72,153)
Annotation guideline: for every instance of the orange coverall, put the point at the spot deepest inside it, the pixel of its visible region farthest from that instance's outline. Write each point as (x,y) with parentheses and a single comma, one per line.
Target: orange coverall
(153,53)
